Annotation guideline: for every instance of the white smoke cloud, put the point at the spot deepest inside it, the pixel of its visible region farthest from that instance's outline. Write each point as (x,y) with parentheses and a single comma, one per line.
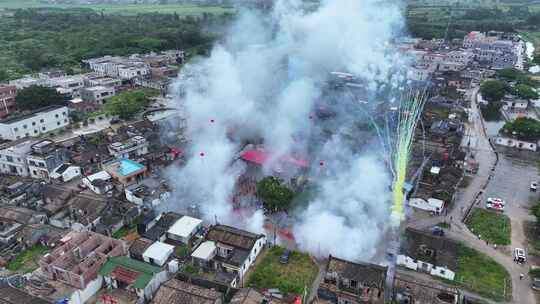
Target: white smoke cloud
(264,80)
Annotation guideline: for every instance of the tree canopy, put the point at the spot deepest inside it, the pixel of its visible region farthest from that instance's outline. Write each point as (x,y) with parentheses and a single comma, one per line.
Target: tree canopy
(523,128)
(34,97)
(524,91)
(274,194)
(129,103)
(34,39)
(493,90)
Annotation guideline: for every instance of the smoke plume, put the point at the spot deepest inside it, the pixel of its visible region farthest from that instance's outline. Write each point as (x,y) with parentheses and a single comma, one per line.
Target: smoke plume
(263,83)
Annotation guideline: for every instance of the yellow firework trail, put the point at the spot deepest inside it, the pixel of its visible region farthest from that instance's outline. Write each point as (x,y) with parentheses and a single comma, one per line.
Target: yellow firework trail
(410,110)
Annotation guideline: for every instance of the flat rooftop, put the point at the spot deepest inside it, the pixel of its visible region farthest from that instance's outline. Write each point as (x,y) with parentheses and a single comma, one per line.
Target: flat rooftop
(30,114)
(128,167)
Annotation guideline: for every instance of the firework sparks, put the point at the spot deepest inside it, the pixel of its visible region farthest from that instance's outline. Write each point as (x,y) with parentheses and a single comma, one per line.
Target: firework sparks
(410,109)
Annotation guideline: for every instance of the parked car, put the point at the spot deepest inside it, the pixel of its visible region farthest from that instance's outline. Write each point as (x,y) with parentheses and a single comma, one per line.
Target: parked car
(284,258)
(519,255)
(496,200)
(534,186)
(536,284)
(438,231)
(495,206)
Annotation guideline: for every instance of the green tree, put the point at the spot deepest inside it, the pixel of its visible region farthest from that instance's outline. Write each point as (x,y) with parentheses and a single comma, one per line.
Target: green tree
(34,97)
(127,104)
(493,90)
(4,75)
(274,194)
(509,73)
(524,91)
(523,128)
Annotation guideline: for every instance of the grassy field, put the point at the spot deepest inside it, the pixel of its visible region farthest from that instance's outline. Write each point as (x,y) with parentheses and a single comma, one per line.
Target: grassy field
(293,277)
(127,9)
(27,261)
(480,274)
(492,226)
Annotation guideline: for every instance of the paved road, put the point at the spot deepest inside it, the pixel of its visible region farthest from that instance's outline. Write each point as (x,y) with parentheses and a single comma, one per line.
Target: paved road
(502,177)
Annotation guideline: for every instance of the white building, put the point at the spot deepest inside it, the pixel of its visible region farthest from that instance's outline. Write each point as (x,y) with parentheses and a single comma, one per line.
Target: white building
(35,123)
(134,70)
(28,81)
(515,104)
(420,74)
(13,157)
(158,253)
(65,173)
(229,249)
(149,192)
(421,251)
(462,57)
(135,146)
(100,182)
(449,66)
(67,85)
(44,158)
(515,143)
(184,229)
(97,95)
(430,205)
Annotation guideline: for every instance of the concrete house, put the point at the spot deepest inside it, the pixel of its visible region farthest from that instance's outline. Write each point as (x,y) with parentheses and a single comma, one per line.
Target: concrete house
(35,123)
(422,251)
(184,229)
(132,147)
(516,143)
(7,100)
(13,157)
(79,257)
(65,172)
(408,289)
(98,94)
(230,250)
(134,276)
(99,183)
(44,158)
(158,253)
(178,292)
(149,192)
(155,228)
(125,171)
(354,283)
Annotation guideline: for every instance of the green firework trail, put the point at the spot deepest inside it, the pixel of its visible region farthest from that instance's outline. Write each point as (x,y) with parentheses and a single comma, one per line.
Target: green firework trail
(410,110)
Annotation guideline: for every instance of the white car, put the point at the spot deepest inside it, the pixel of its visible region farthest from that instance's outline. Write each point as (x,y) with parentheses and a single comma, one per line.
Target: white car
(495,200)
(534,186)
(519,255)
(495,206)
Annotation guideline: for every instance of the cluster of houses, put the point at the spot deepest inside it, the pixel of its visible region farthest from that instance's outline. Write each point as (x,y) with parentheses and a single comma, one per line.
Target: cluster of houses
(77,196)
(86,92)
(476,56)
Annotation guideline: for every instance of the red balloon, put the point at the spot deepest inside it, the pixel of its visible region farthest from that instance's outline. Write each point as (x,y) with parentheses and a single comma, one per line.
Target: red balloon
(201,154)
(212,121)
(321,163)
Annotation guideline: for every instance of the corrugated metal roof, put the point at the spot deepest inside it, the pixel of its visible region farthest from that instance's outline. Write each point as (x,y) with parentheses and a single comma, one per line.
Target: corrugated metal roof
(145,271)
